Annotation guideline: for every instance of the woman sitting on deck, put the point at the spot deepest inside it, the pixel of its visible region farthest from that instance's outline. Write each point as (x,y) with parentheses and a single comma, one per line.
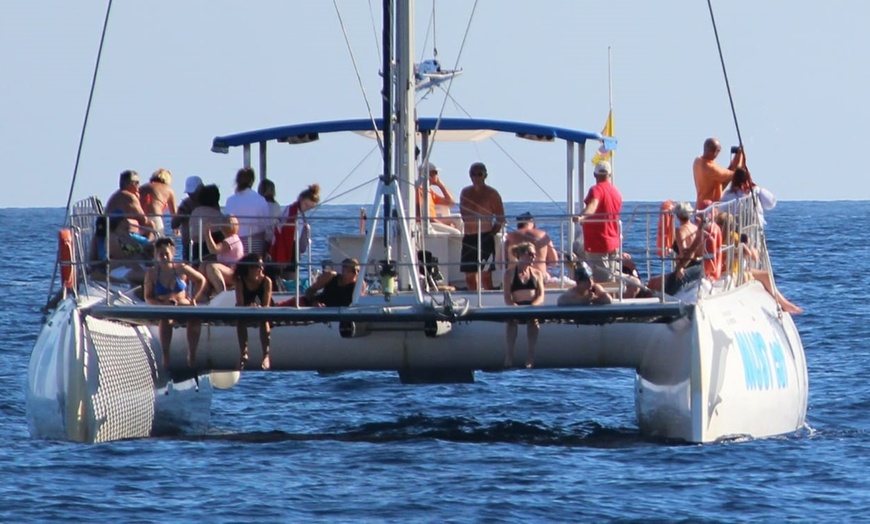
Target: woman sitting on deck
(689,249)
(204,220)
(741,247)
(229,251)
(168,283)
(253,289)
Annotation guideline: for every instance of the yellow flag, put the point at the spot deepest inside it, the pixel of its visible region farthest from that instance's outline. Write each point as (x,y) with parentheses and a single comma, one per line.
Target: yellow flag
(605,152)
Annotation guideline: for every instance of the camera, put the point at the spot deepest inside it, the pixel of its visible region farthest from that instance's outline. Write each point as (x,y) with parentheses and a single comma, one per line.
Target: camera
(735,149)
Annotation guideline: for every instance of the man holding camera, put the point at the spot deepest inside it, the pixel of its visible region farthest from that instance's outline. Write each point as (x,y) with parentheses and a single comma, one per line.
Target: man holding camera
(710,178)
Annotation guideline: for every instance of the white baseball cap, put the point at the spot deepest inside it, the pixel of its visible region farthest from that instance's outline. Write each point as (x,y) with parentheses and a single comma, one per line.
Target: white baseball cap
(602,168)
(192,184)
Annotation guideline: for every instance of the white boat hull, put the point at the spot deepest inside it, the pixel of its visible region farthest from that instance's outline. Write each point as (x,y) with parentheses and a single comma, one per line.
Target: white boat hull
(733,368)
(92,380)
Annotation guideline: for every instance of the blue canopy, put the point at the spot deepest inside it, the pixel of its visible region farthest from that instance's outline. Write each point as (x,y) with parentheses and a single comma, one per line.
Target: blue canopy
(310,131)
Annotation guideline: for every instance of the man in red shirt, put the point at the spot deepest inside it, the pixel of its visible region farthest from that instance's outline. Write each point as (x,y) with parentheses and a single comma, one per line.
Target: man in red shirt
(600,219)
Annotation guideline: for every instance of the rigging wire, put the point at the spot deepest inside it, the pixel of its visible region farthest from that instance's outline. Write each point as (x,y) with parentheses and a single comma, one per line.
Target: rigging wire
(352,171)
(72,184)
(512,159)
(450,84)
(725,73)
(755,202)
(434,33)
(87,112)
(426,37)
(357,187)
(358,76)
(375,32)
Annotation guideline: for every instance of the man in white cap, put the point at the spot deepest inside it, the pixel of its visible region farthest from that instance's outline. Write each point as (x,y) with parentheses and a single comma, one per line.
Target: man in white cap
(600,219)
(181,218)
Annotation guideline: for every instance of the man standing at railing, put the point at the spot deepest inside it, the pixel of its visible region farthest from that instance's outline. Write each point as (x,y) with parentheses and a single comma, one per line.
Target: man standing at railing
(600,219)
(711,178)
(483,216)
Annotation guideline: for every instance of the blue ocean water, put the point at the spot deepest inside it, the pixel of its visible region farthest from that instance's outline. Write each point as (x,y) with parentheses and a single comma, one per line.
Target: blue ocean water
(548,445)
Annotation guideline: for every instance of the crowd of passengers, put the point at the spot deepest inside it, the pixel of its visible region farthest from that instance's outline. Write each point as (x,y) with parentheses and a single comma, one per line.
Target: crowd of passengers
(227,248)
(222,249)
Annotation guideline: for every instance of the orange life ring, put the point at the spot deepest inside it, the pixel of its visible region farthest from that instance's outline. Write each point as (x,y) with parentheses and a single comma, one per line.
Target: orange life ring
(65,252)
(665,228)
(713,251)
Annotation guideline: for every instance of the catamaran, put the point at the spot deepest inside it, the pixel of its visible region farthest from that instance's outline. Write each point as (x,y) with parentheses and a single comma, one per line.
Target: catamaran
(717,361)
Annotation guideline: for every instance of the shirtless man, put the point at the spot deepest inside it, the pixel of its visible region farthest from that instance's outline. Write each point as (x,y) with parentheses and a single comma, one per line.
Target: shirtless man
(527,232)
(125,201)
(586,292)
(711,178)
(482,213)
(157,196)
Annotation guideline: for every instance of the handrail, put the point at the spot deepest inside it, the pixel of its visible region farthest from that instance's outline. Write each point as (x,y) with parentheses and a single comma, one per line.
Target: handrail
(638,241)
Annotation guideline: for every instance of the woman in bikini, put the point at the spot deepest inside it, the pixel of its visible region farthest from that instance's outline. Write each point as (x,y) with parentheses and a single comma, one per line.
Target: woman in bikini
(156,197)
(524,286)
(253,289)
(171,283)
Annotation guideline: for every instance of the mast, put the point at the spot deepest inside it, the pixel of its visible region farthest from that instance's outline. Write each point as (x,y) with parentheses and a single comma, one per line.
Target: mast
(406,165)
(387,108)
(397,190)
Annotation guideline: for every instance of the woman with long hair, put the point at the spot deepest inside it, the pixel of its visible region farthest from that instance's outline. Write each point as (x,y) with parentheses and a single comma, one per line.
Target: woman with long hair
(742,185)
(253,289)
(283,249)
(205,220)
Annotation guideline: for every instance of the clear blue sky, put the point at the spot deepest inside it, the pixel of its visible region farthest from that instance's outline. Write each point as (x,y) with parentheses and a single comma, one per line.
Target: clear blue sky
(176,73)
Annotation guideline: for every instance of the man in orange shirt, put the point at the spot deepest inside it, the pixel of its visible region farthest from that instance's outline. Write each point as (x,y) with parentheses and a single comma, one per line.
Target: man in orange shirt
(710,178)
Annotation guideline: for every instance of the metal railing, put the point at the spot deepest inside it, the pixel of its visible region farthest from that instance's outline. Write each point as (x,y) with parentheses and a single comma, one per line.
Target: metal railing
(743,235)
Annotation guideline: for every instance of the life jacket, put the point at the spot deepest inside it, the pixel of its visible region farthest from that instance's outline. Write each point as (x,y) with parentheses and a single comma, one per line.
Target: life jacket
(712,249)
(283,248)
(65,256)
(665,228)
